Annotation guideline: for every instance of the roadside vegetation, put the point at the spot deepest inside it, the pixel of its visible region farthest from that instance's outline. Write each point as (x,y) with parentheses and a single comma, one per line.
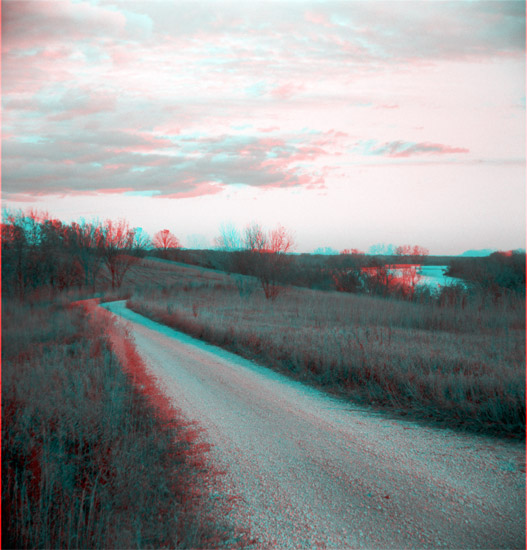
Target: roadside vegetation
(456,358)
(93,456)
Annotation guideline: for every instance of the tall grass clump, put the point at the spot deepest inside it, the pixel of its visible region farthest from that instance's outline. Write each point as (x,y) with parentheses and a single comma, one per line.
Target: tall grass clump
(89,460)
(458,362)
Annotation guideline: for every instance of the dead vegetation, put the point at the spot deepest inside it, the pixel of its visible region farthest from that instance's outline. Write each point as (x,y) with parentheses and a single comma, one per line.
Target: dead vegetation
(456,361)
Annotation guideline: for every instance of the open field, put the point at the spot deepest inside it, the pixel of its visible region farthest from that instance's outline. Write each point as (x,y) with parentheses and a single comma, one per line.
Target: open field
(84,426)
(92,455)
(461,365)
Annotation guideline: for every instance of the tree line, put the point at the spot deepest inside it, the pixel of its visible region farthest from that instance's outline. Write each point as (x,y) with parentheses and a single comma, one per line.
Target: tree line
(496,274)
(40,251)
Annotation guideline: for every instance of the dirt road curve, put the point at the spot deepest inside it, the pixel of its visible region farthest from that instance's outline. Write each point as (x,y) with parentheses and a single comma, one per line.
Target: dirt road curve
(316,472)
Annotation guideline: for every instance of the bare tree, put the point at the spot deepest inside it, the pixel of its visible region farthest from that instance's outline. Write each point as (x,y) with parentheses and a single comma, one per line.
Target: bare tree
(260,253)
(267,253)
(414,251)
(119,247)
(281,240)
(230,256)
(229,239)
(382,249)
(164,241)
(255,238)
(86,241)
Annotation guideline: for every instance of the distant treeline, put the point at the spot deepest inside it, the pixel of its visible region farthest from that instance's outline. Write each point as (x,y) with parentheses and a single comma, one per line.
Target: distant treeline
(38,251)
(501,271)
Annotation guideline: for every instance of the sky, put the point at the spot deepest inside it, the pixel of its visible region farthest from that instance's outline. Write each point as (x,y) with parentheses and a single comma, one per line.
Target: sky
(350,123)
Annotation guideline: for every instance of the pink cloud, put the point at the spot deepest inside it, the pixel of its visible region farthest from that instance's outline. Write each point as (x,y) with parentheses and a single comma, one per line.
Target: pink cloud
(332,138)
(115,167)
(317,18)
(269,143)
(167,129)
(404,149)
(96,158)
(287,90)
(270,129)
(121,54)
(293,179)
(111,191)
(281,165)
(23,197)
(31,195)
(199,189)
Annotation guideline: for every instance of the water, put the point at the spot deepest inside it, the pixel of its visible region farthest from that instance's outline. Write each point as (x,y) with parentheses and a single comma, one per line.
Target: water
(433,276)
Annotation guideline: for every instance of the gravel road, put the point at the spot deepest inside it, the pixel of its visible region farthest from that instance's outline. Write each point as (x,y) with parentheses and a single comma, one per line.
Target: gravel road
(313,471)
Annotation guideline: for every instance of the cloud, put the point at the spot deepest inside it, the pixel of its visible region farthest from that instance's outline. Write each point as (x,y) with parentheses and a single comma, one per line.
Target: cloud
(183,166)
(198,189)
(404,31)
(138,95)
(83,102)
(285,91)
(403,149)
(30,24)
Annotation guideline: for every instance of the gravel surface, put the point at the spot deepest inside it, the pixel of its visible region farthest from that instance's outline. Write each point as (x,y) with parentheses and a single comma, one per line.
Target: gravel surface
(312,471)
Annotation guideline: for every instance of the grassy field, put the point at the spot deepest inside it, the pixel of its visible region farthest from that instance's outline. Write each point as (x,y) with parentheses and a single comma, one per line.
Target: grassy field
(92,455)
(462,365)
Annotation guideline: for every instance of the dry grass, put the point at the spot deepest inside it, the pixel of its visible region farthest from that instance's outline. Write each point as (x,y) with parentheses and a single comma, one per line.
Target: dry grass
(464,365)
(93,457)
(89,460)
